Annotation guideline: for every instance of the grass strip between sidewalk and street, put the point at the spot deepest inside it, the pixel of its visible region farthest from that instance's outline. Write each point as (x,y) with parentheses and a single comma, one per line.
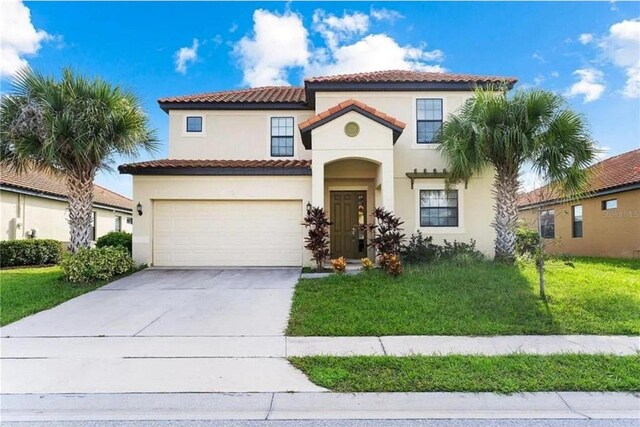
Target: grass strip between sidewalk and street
(500,374)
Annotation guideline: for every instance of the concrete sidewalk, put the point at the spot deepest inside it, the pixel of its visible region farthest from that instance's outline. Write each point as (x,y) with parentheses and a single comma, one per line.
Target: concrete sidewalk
(282,406)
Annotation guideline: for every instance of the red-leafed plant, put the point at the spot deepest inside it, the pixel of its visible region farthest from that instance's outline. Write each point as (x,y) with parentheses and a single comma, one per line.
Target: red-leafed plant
(317,241)
(386,234)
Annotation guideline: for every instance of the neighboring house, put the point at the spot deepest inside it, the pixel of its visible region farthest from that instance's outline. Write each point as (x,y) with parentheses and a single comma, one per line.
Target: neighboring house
(606,223)
(34,205)
(244,165)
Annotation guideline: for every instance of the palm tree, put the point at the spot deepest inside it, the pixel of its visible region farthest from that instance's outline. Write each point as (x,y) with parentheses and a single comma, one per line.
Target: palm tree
(493,130)
(72,127)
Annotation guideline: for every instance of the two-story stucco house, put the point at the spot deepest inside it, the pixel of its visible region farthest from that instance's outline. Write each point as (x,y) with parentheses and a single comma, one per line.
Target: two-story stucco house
(244,165)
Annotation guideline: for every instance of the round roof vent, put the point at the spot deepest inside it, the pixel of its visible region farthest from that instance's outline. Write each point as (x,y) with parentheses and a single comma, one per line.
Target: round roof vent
(351,129)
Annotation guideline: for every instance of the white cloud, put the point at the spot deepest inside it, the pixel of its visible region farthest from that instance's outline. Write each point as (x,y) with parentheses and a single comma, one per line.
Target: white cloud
(585,38)
(538,57)
(555,74)
(278,43)
(376,52)
(19,37)
(385,14)
(622,48)
(335,30)
(233,28)
(538,80)
(185,56)
(590,84)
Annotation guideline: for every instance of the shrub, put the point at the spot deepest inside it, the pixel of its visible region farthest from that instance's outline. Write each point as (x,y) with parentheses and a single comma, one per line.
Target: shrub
(419,249)
(367,264)
(527,241)
(339,265)
(385,234)
(317,241)
(460,250)
(116,239)
(392,265)
(30,252)
(90,265)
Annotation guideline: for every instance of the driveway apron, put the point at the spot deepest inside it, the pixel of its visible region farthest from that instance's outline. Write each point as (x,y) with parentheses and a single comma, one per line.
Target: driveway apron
(160,330)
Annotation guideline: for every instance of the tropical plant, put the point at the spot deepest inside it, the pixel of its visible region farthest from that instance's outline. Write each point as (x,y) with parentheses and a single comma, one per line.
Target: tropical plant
(385,233)
(367,264)
(317,240)
(339,265)
(392,265)
(494,130)
(71,127)
(118,239)
(90,265)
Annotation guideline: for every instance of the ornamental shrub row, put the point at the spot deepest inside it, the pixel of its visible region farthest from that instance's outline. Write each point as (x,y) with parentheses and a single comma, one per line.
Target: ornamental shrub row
(91,265)
(15,253)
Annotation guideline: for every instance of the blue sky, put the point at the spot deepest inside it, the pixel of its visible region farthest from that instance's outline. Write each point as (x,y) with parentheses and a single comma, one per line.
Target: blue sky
(590,52)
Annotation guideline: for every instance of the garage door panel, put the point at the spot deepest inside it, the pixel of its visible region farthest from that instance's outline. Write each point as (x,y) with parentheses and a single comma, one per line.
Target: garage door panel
(227,233)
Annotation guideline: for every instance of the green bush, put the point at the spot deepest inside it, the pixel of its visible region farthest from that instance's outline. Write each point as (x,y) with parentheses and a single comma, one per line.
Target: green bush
(30,252)
(527,241)
(90,265)
(421,249)
(116,239)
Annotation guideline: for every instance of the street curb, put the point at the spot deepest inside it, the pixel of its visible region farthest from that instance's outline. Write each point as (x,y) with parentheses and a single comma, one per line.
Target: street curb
(299,406)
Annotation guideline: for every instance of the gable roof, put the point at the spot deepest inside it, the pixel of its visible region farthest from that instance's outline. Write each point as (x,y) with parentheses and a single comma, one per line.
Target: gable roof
(39,182)
(296,98)
(397,126)
(617,173)
(217,167)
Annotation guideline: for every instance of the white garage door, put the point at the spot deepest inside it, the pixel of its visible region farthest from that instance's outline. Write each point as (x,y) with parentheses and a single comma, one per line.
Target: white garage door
(227,233)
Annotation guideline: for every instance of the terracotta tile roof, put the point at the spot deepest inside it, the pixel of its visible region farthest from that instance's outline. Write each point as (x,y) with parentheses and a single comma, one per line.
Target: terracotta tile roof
(214,164)
(41,182)
(257,95)
(395,76)
(349,104)
(614,172)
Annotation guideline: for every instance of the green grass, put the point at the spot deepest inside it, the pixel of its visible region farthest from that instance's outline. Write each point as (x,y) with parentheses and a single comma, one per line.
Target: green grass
(25,291)
(598,296)
(501,374)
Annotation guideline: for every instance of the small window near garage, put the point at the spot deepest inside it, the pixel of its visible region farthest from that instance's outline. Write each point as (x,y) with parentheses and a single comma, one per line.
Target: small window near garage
(281,136)
(118,224)
(609,204)
(576,221)
(429,119)
(438,208)
(194,124)
(129,220)
(548,224)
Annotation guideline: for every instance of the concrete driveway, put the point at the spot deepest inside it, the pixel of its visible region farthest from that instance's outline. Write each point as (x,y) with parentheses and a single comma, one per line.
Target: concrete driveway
(160,330)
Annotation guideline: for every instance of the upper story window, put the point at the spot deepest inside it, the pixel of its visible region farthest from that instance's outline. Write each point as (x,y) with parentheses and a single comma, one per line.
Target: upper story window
(281,136)
(548,224)
(438,208)
(576,215)
(429,119)
(194,124)
(609,204)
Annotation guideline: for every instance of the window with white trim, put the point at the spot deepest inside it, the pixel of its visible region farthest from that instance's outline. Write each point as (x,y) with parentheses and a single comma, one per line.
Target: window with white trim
(438,208)
(118,223)
(281,136)
(194,124)
(428,119)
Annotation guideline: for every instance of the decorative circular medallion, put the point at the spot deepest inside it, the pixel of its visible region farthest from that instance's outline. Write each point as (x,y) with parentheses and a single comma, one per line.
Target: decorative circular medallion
(351,129)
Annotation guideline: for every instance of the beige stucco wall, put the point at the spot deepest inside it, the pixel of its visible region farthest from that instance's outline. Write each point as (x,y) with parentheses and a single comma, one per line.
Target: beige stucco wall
(147,189)
(608,233)
(235,134)
(48,217)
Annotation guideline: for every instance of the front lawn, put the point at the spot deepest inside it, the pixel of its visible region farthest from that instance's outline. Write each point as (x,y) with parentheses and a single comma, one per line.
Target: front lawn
(594,296)
(501,374)
(25,291)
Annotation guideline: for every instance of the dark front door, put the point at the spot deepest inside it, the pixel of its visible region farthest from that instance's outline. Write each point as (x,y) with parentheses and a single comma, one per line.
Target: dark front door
(348,210)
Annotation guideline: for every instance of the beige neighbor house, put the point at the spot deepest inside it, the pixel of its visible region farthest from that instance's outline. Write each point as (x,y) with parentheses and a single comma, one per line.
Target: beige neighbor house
(606,224)
(244,165)
(34,205)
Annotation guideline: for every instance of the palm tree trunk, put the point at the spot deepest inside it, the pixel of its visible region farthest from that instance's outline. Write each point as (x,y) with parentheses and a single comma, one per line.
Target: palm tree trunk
(505,190)
(80,185)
